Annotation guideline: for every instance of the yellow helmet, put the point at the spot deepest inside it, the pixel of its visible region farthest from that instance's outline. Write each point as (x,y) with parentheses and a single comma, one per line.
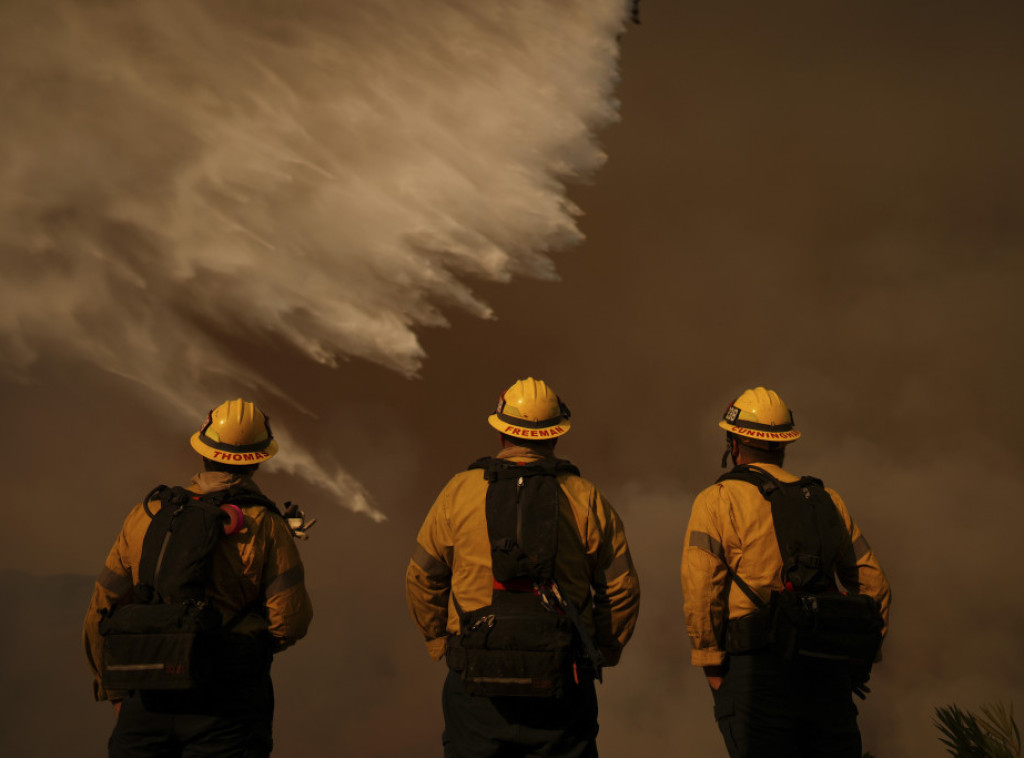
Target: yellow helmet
(760,414)
(237,433)
(530,409)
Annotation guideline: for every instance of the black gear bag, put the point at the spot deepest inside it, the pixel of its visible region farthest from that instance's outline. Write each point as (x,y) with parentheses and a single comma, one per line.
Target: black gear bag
(530,640)
(169,637)
(810,623)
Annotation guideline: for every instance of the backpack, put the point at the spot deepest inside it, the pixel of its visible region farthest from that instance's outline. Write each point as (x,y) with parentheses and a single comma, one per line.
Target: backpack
(810,624)
(169,637)
(530,641)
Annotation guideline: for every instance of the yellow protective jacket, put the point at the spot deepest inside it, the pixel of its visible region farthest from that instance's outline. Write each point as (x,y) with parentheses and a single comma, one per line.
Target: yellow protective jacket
(732,523)
(261,561)
(452,560)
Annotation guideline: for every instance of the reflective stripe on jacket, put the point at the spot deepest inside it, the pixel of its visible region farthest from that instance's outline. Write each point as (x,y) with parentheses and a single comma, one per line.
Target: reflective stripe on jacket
(259,562)
(732,523)
(453,556)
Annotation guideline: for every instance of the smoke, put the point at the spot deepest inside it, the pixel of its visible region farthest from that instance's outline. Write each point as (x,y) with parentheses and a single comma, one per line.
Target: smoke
(183,183)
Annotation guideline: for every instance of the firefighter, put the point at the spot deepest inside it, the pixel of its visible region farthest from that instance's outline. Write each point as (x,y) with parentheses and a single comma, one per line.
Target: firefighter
(255,579)
(451,575)
(766,706)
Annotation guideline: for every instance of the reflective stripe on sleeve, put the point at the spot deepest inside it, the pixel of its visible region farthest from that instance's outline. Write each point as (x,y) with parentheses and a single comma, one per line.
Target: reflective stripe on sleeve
(620,566)
(114,582)
(707,543)
(861,547)
(285,580)
(434,568)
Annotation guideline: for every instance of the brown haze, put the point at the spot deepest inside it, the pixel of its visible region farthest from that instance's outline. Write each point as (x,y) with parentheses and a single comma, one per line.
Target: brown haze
(822,197)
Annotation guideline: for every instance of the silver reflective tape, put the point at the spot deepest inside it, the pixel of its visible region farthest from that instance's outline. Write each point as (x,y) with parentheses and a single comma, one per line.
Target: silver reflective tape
(861,547)
(707,543)
(114,582)
(136,667)
(619,566)
(285,580)
(434,568)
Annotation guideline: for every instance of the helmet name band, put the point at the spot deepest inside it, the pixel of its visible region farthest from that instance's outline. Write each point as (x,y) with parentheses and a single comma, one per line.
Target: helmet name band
(761,427)
(243,458)
(546,432)
(758,434)
(530,424)
(256,447)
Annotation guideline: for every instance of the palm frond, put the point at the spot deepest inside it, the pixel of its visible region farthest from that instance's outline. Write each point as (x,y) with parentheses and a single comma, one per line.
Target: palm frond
(997,719)
(994,734)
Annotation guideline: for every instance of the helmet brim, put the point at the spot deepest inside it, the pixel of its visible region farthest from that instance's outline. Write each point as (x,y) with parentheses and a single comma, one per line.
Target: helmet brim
(787,435)
(556,429)
(233,458)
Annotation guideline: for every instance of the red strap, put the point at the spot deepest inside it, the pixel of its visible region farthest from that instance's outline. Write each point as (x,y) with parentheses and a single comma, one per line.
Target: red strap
(514,585)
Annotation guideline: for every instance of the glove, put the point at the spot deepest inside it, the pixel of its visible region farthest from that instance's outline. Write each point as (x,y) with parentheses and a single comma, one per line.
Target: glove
(861,689)
(297,520)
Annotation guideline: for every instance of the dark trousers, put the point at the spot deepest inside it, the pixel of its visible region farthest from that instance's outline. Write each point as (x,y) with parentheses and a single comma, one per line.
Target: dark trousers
(229,724)
(765,709)
(519,727)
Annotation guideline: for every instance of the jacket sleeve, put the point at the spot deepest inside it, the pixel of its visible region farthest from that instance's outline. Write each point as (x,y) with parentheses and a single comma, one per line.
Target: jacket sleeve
(615,585)
(428,578)
(289,609)
(113,587)
(858,569)
(704,579)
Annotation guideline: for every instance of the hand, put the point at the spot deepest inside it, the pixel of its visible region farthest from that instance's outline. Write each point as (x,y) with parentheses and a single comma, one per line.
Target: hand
(297,520)
(715,676)
(861,690)
(860,683)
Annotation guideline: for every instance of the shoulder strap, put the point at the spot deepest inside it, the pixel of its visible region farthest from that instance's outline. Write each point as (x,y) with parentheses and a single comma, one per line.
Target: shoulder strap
(760,478)
(805,522)
(747,589)
(240,496)
(522,516)
(502,468)
(765,482)
(245,497)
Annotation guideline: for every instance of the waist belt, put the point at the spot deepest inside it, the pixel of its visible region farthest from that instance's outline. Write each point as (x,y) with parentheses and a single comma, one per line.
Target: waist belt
(748,633)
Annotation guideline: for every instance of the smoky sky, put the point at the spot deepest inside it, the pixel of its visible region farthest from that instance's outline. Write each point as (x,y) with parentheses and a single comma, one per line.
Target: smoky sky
(374,217)
(178,177)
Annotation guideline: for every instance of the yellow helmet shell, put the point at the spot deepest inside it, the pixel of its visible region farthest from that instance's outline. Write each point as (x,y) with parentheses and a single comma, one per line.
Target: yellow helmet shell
(760,414)
(236,432)
(530,409)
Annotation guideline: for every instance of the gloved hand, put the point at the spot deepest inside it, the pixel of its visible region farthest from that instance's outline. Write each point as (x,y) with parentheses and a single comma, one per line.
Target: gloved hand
(297,520)
(861,689)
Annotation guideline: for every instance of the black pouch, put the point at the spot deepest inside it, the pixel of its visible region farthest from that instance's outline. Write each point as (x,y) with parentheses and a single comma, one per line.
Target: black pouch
(749,633)
(516,648)
(827,629)
(165,646)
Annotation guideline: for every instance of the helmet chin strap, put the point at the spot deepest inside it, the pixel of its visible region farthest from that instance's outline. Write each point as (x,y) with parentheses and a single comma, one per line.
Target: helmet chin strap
(728,451)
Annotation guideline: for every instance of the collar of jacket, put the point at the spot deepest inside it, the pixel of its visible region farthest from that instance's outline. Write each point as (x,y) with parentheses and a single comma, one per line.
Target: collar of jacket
(214,481)
(520,451)
(777,471)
